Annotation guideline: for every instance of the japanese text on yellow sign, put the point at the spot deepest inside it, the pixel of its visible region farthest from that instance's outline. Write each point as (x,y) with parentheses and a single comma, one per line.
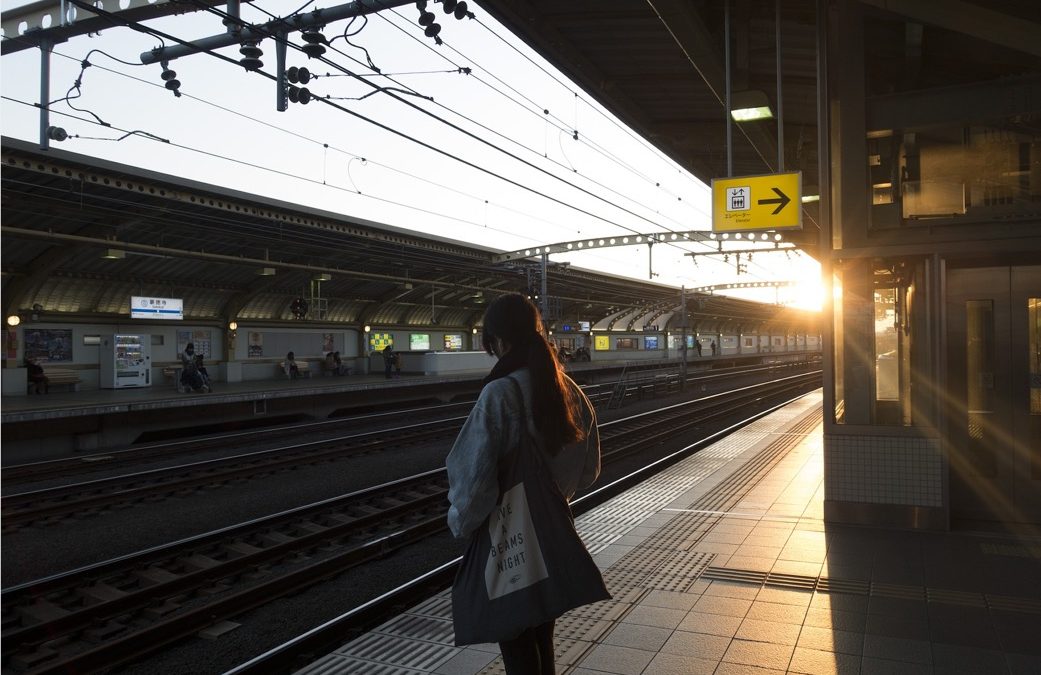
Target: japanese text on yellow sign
(768,202)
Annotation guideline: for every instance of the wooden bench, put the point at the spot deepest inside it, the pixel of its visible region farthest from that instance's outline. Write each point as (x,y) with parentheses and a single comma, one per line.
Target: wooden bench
(58,377)
(173,375)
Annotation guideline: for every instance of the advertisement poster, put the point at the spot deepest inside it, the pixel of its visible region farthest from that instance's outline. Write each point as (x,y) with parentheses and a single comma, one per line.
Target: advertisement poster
(453,343)
(200,339)
(48,345)
(256,345)
(601,343)
(327,343)
(377,341)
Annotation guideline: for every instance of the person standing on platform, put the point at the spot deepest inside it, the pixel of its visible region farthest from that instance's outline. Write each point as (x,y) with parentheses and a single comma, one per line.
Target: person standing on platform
(697,343)
(191,378)
(390,359)
(528,445)
(713,346)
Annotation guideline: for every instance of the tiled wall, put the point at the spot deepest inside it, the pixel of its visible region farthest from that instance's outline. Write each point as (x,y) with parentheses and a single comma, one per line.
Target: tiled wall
(883,470)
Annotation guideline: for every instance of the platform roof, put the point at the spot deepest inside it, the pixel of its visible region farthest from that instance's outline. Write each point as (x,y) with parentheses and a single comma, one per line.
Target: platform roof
(659,66)
(210,246)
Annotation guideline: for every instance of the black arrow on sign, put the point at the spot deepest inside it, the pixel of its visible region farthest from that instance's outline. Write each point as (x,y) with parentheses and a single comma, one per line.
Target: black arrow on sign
(781,201)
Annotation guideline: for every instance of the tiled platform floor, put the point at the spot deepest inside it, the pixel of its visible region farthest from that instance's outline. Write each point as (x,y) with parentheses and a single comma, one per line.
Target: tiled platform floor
(723,565)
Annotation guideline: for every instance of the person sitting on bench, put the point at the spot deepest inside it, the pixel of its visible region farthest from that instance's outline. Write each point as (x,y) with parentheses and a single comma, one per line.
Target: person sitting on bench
(289,366)
(36,376)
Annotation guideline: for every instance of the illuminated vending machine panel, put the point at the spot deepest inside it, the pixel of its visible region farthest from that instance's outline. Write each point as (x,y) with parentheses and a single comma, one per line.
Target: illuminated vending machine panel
(126,361)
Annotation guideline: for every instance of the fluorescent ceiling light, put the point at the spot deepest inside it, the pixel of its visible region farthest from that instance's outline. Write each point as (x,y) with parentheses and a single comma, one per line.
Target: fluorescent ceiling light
(114,254)
(746,106)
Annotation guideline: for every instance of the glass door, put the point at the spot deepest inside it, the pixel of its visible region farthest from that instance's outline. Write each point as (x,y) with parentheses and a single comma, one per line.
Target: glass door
(994,407)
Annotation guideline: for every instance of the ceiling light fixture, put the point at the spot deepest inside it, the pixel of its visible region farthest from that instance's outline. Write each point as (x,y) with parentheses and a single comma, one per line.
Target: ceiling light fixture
(750,105)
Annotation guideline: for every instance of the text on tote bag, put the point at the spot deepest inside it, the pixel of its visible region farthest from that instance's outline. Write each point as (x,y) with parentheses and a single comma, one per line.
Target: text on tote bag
(516,560)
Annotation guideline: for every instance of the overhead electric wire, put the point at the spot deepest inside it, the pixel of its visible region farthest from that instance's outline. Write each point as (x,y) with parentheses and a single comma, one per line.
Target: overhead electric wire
(559,201)
(596,109)
(352,155)
(535,107)
(137,25)
(157,33)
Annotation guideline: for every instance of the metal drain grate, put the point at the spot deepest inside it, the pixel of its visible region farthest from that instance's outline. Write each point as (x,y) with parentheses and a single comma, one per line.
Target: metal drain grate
(875,589)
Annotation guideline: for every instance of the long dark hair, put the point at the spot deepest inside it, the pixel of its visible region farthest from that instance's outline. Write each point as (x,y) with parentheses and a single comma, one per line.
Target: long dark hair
(555,407)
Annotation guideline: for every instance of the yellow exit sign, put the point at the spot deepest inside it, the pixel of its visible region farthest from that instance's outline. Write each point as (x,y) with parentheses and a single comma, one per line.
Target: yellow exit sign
(768,202)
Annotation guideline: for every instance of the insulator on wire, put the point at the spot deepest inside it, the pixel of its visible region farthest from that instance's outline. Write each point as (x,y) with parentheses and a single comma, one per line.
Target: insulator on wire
(170,78)
(432,30)
(301,95)
(298,75)
(251,54)
(426,18)
(314,40)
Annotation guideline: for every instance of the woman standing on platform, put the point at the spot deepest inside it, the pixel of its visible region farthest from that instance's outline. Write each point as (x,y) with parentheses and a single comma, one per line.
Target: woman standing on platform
(529,444)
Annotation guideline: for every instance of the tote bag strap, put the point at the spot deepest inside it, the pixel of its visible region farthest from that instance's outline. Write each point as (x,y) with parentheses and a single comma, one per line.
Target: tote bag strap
(533,443)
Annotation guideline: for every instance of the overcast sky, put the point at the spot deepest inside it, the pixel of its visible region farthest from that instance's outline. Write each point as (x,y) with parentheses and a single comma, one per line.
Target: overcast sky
(407,155)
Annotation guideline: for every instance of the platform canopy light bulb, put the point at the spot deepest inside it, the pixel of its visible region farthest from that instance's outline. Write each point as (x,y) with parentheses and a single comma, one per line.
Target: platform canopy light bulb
(14,320)
(233,326)
(367,328)
(750,105)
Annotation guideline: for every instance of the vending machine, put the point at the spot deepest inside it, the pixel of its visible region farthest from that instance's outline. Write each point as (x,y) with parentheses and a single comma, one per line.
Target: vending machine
(126,361)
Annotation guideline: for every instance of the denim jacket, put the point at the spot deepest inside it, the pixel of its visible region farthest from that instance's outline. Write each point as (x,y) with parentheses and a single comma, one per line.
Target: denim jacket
(491,431)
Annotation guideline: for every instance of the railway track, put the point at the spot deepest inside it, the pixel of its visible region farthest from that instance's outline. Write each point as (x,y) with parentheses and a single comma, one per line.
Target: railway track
(83,499)
(22,474)
(112,612)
